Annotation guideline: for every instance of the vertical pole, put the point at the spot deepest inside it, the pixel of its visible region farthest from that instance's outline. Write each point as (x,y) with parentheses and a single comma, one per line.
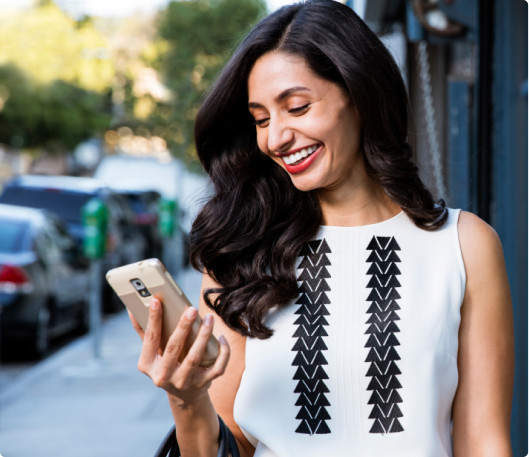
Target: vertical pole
(95,306)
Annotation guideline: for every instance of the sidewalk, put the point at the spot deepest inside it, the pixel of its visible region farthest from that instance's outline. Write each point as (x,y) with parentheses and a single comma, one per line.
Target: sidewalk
(72,404)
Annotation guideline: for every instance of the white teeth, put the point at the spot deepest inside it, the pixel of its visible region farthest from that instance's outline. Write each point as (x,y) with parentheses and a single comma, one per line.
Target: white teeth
(297,156)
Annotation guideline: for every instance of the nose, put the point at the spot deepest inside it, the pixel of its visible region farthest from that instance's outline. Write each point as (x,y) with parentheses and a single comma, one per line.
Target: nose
(280,135)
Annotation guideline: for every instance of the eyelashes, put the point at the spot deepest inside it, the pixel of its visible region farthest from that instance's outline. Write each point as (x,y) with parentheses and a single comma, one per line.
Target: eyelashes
(261,122)
(296,111)
(299,109)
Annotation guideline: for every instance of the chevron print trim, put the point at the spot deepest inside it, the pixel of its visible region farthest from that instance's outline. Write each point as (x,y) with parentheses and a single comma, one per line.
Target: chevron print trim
(309,334)
(382,356)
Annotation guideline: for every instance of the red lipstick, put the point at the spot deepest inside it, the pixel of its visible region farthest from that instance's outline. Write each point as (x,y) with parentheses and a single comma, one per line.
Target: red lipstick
(304,164)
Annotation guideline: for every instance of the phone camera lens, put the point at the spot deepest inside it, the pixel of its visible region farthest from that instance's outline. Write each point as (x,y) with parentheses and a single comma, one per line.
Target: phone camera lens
(140,288)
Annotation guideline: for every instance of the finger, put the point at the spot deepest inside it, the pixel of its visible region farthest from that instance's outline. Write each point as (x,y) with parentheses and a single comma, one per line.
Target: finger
(153,335)
(136,326)
(177,341)
(198,349)
(218,368)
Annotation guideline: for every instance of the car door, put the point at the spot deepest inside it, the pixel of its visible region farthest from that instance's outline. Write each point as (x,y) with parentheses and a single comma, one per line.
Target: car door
(68,285)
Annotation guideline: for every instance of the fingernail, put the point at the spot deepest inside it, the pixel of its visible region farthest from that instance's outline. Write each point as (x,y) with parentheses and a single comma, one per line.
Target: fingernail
(155,304)
(191,313)
(222,340)
(208,320)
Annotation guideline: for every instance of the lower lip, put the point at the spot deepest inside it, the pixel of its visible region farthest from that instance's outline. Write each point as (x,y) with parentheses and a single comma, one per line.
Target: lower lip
(304,164)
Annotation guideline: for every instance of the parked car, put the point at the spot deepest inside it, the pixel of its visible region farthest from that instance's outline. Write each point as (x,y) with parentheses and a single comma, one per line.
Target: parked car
(43,285)
(66,196)
(145,206)
(167,177)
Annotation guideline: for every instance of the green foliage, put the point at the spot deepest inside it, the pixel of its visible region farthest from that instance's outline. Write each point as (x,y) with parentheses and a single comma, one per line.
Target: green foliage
(56,116)
(198,36)
(55,79)
(48,45)
(57,74)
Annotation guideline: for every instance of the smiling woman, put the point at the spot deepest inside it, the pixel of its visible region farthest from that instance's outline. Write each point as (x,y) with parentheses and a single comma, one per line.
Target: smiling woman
(305,123)
(356,315)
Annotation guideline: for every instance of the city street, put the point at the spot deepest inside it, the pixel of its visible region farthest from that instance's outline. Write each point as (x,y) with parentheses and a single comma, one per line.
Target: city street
(72,403)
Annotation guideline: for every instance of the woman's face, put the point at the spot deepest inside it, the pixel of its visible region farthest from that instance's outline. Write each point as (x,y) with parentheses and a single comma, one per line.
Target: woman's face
(305,123)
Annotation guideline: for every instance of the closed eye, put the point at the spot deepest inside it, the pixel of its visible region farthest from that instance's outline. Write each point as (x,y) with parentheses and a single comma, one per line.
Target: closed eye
(299,109)
(261,122)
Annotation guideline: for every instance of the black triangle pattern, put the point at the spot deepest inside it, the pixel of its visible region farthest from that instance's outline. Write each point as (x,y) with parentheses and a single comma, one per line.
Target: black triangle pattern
(310,336)
(381,335)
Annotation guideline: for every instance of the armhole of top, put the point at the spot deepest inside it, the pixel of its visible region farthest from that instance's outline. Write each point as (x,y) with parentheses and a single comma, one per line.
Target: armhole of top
(454,219)
(252,439)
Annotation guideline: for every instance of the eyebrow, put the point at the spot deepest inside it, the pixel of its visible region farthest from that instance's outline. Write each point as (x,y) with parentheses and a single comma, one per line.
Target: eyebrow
(282,96)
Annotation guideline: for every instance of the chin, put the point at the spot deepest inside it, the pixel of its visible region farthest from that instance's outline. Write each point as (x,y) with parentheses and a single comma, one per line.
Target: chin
(303,185)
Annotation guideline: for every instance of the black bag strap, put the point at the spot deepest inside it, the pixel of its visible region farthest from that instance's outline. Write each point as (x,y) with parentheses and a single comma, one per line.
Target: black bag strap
(169,446)
(227,444)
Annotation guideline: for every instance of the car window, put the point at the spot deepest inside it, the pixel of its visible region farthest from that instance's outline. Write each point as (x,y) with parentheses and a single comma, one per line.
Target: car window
(50,245)
(125,208)
(12,235)
(136,203)
(66,204)
(59,234)
(119,209)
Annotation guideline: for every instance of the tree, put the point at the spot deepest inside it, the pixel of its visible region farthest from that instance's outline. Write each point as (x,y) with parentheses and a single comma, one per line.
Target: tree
(48,45)
(55,79)
(198,36)
(56,116)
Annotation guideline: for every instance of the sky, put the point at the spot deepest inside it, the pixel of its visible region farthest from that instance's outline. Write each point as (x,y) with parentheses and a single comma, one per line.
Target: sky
(115,7)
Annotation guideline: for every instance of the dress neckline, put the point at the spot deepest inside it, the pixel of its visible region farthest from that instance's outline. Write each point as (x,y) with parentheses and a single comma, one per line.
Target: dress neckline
(394,218)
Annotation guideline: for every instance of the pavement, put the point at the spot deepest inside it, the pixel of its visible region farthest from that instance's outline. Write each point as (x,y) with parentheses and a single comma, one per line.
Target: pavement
(76,404)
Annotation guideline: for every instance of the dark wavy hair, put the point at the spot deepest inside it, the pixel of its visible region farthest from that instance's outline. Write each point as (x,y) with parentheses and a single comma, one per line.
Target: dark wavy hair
(248,236)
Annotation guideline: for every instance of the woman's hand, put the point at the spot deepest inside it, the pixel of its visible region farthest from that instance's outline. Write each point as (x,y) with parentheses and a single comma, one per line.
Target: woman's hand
(185,380)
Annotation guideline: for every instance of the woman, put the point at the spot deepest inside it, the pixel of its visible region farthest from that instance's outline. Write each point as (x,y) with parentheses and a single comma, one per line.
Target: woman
(356,316)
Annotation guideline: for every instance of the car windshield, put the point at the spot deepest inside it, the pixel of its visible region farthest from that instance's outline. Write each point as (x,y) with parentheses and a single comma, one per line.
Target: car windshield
(66,204)
(136,203)
(12,235)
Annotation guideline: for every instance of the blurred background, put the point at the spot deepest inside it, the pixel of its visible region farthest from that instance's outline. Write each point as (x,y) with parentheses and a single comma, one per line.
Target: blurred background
(98,167)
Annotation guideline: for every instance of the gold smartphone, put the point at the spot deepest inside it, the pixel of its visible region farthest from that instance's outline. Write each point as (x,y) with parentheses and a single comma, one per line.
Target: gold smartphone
(137,283)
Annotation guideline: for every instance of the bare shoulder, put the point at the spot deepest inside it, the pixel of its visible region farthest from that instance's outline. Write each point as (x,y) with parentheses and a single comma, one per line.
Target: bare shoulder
(480,244)
(487,285)
(474,228)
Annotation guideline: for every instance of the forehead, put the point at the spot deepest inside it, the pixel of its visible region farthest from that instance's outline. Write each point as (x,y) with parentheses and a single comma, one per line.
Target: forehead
(276,72)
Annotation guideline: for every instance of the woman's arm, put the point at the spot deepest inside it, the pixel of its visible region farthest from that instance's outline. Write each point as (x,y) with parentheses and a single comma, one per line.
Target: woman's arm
(482,405)
(186,383)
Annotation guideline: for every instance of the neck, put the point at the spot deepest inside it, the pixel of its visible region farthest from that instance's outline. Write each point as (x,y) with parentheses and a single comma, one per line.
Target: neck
(362,204)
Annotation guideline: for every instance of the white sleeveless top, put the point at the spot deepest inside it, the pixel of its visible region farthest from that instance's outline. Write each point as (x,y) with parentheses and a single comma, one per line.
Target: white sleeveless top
(363,363)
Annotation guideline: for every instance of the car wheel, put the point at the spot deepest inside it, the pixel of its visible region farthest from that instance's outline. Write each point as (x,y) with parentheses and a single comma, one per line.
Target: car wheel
(41,335)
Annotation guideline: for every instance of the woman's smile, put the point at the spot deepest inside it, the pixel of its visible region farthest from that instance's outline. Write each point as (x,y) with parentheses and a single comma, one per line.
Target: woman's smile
(305,123)
(299,160)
